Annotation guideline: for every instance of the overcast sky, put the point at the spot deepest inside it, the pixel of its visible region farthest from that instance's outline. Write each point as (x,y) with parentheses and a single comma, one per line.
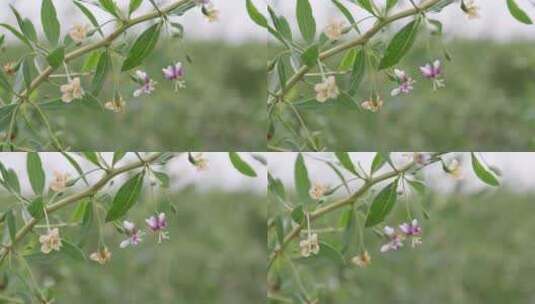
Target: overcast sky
(235,25)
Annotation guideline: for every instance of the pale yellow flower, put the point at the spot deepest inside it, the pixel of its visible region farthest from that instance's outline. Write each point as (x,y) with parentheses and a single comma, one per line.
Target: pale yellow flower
(454,169)
(471,9)
(211,13)
(50,241)
(200,162)
(334,29)
(326,90)
(102,256)
(310,245)
(317,191)
(78,33)
(116,105)
(59,183)
(9,68)
(362,260)
(373,105)
(72,90)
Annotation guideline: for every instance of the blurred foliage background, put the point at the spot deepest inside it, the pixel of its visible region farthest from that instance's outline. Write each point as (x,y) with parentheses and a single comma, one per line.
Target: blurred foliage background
(476,249)
(222,108)
(487,105)
(216,254)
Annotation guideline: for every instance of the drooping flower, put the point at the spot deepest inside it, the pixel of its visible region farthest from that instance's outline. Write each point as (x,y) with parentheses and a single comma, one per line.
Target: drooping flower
(395,240)
(158,224)
(362,260)
(175,73)
(59,183)
(375,104)
(454,169)
(78,33)
(412,230)
(134,235)
(317,191)
(50,241)
(470,8)
(327,89)
(147,84)
(334,29)
(433,71)
(421,158)
(72,90)
(310,245)
(210,12)
(405,83)
(102,256)
(9,68)
(117,104)
(198,161)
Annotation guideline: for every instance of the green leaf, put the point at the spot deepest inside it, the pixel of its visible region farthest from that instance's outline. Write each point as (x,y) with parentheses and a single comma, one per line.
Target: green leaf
(276,188)
(133,6)
(143,46)
(382,204)
(109,6)
(92,157)
(26,67)
(302,182)
(327,251)
(49,21)
(75,165)
(357,73)
(25,25)
(255,15)
(89,16)
(4,83)
(390,4)
(125,198)
(241,165)
(310,56)
(346,13)
(12,180)
(518,13)
(11,225)
(17,34)
(6,112)
(417,185)
(103,68)
(36,174)
(163,178)
(279,226)
(305,20)
(378,161)
(348,60)
(349,238)
(36,208)
(345,160)
(56,57)
(400,44)
(72,250)
(298,215)
(117,156)
(484,174)
(367,5)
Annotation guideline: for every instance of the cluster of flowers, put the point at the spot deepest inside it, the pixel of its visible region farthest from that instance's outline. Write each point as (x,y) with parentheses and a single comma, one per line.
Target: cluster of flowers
(51,241)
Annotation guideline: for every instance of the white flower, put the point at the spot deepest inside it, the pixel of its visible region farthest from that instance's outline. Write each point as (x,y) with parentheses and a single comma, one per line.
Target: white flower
(454,169)
(395,240)
(102,256)
(373,105)
(78,33)
(210,12)
(134,235)
(334,29)
(116,105)
(405,83)
(59,183)
(326,89)
(50,241)
(362,260)
(147,84)
(310,245)
(470,9)
(317,191)
(72,90)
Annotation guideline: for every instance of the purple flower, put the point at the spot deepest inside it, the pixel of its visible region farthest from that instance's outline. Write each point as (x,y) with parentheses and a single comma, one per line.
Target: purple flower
(405,83)
(147,84)
(411,229)
(158,223)
(174,72)
(395,240)
(434,72)
(134,235)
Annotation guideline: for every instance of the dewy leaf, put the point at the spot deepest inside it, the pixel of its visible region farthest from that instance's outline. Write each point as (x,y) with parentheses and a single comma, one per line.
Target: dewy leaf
(518,13)
(305,20)
(241,165)
(310,56)
(36,174)
(382,204)
(103,67)
(144,44)
(49,21)
(125,198)
(302,182)
(400,44)
(484,174)
(345,160)
(55,58)
(255,15)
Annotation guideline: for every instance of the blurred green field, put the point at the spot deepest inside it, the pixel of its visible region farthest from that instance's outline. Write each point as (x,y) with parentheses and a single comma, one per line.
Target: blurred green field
(488,105)
(216,254)
(222,108)
(477,249)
